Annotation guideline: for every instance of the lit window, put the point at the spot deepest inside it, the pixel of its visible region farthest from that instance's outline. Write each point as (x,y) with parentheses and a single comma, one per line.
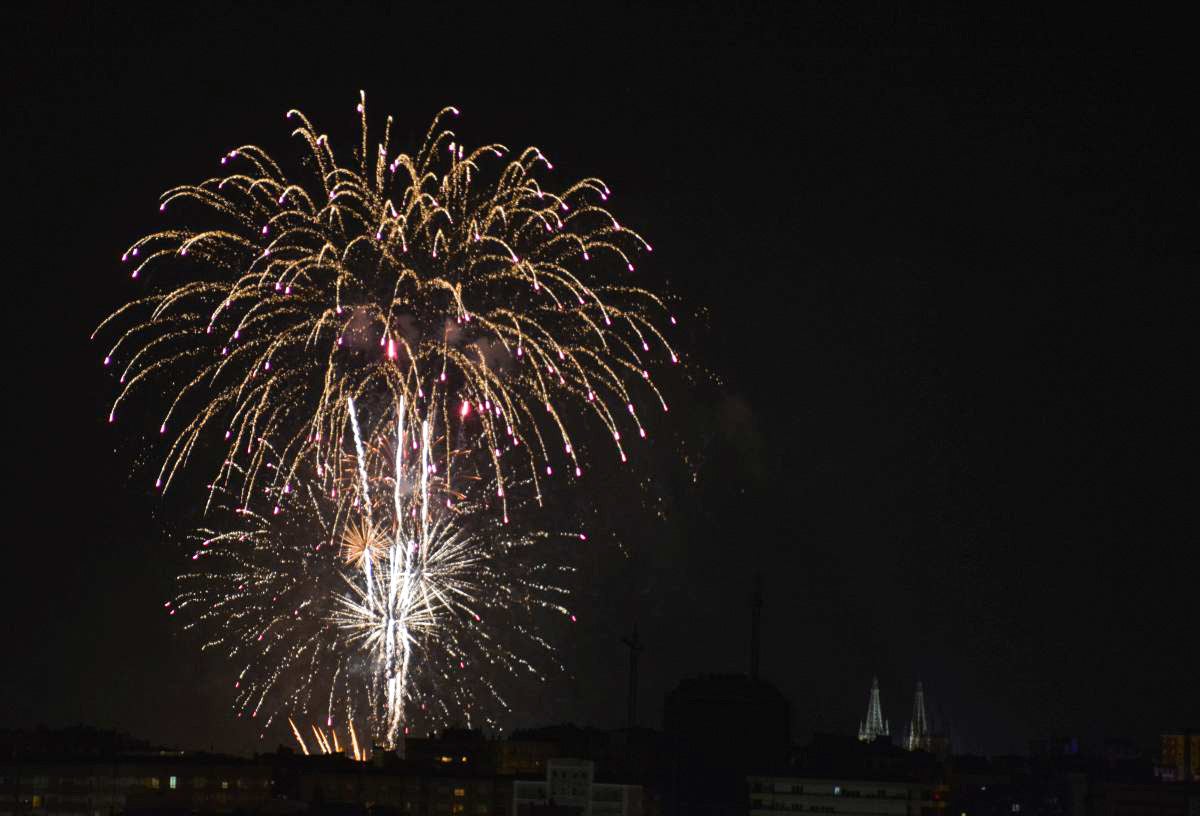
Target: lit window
(837,790)
(460,791)
(172,782)
(224,784)
(36,801)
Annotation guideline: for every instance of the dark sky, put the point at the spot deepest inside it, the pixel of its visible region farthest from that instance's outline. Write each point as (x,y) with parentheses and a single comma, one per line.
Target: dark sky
(938,266)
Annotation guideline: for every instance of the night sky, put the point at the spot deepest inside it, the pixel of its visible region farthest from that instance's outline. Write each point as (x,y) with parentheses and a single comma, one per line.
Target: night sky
(937,274)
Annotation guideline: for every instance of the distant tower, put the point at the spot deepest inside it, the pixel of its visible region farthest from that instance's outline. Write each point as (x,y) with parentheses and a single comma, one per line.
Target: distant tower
(875,725)
(918,727)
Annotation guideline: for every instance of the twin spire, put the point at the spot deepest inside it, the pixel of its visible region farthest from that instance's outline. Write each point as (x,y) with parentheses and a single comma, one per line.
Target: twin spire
(918,727)
(875,726)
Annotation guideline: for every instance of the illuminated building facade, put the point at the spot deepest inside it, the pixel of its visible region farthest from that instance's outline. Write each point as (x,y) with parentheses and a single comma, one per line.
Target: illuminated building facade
(154,782)
(570,788)
(771,795)
(1181,756)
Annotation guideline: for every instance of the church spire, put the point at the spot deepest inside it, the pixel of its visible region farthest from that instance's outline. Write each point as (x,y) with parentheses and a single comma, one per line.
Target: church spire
(918,727)
(875,725)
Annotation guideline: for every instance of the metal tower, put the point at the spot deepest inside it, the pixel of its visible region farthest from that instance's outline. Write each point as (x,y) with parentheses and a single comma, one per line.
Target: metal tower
(875,725)
(918,727)
(634,645)
(756,605)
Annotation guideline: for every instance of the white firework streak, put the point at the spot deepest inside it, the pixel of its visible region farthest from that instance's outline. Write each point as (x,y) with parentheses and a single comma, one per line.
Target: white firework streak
(420,577)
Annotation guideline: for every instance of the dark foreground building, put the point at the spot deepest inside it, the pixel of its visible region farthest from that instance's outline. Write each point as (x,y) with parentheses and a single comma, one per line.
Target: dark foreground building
(719,729)
(102,773)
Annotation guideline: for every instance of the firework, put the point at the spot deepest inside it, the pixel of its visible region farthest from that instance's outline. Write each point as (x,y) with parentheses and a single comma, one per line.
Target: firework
(327,741)
(420,618)
(456,280)
(393,355)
